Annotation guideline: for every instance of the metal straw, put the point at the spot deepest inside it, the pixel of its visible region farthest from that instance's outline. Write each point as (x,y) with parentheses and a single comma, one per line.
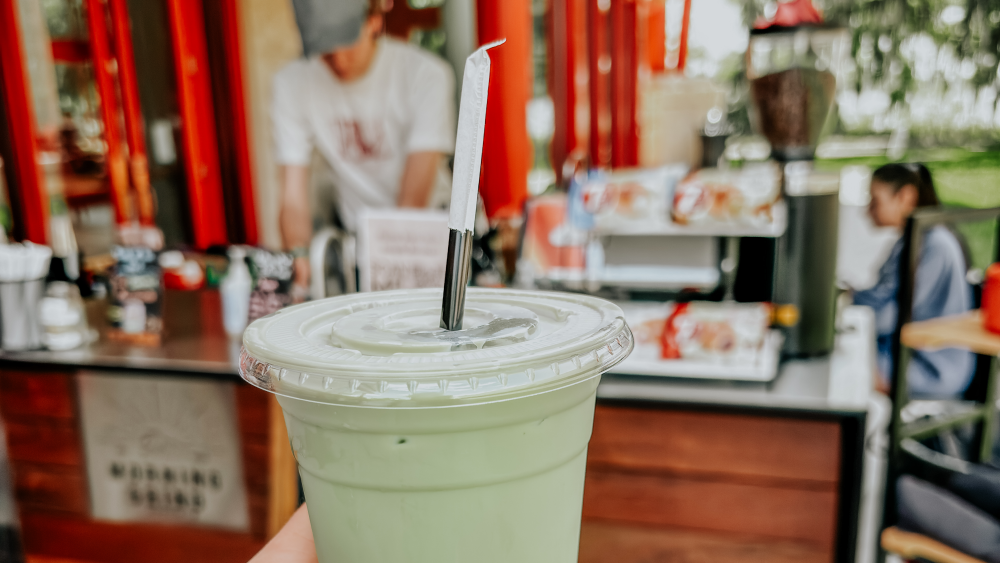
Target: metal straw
(456,278)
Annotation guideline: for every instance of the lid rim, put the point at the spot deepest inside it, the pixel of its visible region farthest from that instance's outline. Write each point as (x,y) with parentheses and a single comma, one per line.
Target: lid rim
(432,400)
(399,368)
(584,336)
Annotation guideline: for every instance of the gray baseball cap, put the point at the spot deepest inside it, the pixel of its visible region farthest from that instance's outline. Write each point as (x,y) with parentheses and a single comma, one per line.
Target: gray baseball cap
(326,25)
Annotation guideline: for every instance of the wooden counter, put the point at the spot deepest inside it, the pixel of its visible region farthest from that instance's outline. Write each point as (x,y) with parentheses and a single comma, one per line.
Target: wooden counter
(752,479)
(685,470)
(40,407)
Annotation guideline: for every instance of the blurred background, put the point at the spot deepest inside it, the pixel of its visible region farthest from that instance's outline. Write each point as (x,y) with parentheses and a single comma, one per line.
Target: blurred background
(921,83)
(632,151)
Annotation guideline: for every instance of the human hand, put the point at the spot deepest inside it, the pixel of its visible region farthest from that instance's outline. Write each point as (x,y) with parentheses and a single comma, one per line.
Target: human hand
(293,544)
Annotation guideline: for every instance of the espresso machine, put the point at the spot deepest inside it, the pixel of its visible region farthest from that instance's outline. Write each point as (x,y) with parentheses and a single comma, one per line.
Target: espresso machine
(792,73)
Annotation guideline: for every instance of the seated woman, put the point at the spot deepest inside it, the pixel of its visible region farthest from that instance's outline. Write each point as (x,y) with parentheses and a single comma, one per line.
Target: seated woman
(897,190)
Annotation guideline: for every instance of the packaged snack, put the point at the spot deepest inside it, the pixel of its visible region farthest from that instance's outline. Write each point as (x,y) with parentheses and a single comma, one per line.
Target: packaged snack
(717,332)
(136,295)
(628,197)
(272,290)
(727,196)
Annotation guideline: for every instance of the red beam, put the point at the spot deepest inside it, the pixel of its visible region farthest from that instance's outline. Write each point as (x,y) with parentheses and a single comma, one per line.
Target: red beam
(507,149)
(598,21)
(70,51)
(27,190)
(624,73)
(201,147)
(682,57)
(656,36)
(677,37)
(402,20)
(134,126)
(569,78)
(579,65)
(105,69)
(560,80)
(238,107)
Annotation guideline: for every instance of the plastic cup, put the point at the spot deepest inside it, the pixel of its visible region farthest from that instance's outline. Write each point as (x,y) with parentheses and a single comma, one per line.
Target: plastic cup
(415,444)
(991,299)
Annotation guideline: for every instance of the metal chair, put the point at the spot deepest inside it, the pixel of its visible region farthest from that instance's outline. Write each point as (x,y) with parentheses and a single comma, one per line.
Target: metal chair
(917,546)
(333,262)
(906,452)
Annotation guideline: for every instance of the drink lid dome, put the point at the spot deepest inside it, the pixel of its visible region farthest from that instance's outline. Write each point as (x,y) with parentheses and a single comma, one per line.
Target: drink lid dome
(386,349)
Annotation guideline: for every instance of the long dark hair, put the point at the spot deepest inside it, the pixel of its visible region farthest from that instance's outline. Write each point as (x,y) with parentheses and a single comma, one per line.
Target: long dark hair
(917,175)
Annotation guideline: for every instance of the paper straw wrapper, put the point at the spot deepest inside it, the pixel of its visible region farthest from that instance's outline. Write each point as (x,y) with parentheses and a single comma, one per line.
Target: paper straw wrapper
(469,139)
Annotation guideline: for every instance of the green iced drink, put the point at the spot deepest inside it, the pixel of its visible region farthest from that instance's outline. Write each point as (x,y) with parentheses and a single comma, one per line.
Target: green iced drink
(416,444)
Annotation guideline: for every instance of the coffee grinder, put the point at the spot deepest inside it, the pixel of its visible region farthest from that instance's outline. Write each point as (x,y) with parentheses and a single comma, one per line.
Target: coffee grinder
(793,74)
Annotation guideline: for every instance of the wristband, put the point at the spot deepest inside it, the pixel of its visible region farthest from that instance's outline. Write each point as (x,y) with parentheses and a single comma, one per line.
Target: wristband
(300,252)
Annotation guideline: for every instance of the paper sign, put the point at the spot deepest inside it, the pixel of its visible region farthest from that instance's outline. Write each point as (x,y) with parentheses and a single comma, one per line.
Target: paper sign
(402,249)
(162,449)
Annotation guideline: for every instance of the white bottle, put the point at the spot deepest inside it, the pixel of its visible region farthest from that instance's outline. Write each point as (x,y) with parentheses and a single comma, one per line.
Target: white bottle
(133,316)
(235,289)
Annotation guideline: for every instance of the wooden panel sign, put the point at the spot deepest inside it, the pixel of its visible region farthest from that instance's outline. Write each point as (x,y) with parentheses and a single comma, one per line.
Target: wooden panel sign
(162,449)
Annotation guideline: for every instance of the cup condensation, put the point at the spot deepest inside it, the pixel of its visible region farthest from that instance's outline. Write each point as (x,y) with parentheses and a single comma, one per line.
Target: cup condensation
(419,445)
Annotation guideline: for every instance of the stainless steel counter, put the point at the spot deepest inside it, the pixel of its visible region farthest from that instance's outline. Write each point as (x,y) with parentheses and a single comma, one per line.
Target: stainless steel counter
(841,382)
(212,355)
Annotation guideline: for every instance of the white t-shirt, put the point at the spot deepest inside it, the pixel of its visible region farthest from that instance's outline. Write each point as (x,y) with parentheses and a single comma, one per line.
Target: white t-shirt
(366,128)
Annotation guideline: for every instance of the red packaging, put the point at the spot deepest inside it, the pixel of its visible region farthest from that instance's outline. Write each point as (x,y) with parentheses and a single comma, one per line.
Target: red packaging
(668,343)
(791,13)
(715,332)
(991,299)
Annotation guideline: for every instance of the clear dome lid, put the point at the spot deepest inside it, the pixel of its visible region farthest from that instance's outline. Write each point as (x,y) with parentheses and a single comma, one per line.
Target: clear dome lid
(386,349)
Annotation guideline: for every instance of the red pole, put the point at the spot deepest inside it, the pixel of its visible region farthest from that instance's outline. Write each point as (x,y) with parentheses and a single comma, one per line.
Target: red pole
(677,37)
(105,68)
(201,148)
(560,80)
(579,66)
(656,36)
(506,149)
(569,79)
(600,82)
(624,72)
(682,56)
(241,133)
(134,129)
(70,51)
(26,187)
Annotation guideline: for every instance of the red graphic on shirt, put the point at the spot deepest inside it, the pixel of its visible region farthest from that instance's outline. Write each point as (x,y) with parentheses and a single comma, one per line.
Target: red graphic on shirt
(362,140)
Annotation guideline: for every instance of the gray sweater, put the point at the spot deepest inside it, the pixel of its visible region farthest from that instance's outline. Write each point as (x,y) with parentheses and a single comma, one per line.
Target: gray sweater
(941,290)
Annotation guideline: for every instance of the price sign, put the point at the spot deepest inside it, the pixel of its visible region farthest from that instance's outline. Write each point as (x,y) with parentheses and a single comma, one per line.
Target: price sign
(401,249)
(162,449)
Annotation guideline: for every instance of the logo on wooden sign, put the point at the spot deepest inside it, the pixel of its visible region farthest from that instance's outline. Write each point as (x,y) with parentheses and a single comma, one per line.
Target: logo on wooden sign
(162,449)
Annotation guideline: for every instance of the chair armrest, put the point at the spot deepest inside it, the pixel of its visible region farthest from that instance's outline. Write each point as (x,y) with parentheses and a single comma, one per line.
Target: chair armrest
(910,546)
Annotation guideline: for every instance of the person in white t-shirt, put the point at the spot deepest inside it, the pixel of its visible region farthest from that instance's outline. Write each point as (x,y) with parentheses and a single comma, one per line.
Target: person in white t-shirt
(379,111)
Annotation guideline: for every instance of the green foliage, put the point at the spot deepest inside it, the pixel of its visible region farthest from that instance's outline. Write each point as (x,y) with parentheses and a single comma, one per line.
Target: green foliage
(975,36)
(888,38)
(962,179)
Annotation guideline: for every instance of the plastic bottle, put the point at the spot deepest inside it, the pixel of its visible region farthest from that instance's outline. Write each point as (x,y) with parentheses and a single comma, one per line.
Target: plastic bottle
(235,289)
